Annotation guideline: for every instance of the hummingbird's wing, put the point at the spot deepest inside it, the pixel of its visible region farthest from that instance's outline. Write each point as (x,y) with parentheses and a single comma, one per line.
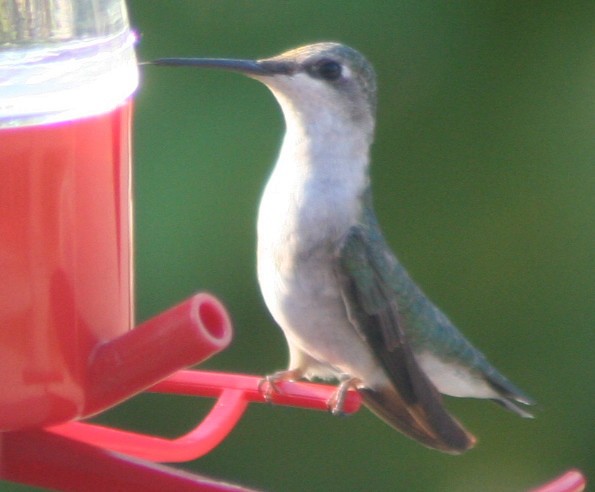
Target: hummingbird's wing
(411,404)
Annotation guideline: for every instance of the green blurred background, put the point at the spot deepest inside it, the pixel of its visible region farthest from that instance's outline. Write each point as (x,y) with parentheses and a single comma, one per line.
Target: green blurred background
(484,181)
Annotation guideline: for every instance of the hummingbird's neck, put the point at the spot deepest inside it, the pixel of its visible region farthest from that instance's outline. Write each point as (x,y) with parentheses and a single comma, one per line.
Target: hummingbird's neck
(326,147)
(315,192)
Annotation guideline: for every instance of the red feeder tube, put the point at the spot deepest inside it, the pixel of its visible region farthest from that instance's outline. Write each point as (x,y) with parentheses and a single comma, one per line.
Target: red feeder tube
(184,335)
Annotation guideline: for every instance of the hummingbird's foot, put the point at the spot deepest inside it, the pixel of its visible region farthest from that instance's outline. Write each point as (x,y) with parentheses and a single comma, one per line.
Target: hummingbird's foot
(336,402)
(269,385)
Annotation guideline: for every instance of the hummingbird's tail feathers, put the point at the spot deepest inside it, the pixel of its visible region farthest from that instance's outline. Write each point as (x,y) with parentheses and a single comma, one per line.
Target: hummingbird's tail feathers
(435,427)
(509,396)
(513,407)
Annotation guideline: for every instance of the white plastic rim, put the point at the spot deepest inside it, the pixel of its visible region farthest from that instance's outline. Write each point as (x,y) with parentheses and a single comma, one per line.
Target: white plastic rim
(54,82)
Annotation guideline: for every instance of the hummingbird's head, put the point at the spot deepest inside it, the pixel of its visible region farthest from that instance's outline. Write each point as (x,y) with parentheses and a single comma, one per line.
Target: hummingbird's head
(322,78)
(318,84)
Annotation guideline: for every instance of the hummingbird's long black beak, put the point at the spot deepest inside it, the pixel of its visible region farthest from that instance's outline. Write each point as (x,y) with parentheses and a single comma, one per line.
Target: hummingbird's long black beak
(248,67)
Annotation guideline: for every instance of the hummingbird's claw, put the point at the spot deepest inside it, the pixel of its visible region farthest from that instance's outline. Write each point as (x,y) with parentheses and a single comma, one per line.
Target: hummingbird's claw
(269,385)
(336,403)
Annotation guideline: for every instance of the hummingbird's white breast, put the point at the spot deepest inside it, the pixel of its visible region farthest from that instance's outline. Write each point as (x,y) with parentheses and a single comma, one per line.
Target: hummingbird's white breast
(311,200)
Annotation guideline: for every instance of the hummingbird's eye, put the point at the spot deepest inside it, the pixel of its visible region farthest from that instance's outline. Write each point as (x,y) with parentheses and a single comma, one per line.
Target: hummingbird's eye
(326,69)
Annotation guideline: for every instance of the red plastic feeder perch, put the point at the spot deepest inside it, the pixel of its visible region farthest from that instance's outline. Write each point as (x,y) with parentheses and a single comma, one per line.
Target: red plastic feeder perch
(571,481)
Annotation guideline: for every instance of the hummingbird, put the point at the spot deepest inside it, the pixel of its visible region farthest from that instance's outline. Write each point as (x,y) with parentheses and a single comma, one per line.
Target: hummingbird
(348,308)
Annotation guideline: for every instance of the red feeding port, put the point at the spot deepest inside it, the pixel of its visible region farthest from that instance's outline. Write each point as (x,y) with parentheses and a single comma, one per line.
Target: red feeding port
(211,320)
(172,340)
